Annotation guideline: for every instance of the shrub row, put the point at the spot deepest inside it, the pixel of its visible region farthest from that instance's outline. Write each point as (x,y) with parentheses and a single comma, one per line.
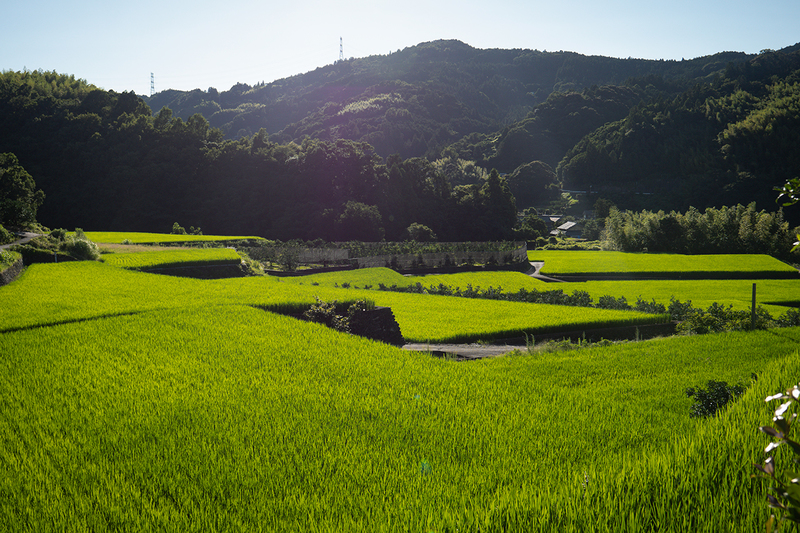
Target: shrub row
(716,318)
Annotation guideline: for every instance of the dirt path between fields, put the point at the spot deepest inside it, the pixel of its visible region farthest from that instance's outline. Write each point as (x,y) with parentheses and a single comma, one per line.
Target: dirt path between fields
(26,237)
(534,272)
(462,352)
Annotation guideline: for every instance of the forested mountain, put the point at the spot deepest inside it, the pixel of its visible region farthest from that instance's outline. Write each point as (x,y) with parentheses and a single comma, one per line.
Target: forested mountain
(721,142)
(105,162)
(367,147)
(415,101)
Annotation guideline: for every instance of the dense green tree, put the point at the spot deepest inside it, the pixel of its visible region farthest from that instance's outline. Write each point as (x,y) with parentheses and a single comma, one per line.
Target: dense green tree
(420,233)
(500,210)
(19,198)
(359,222)
(533,184)
(738,229)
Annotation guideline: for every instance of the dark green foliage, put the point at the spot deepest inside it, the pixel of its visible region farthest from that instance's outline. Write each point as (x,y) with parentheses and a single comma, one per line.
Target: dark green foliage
(414,101)
(420,233)
(359,222)
(719,318)
(177,229)
(609,302)
(679,311)
(19,199)
(649,307)
(81,249)
(59,246)
(531,228)
(31,254)
(5,235)
(714,397)
(106,162)
(727,140)
(737,229)
(335,315)
(326,313)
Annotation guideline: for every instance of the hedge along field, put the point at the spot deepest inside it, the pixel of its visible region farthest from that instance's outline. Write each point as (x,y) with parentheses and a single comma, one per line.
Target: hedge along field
(374,277)
(231,418)
(55,293)
(450,319)
(113,237)
(508,281)
(160,258)
(774,295)
(594,262)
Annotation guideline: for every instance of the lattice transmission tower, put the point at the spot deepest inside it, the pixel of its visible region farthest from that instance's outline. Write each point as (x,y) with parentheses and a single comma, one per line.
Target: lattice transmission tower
(341,50)
(152,84)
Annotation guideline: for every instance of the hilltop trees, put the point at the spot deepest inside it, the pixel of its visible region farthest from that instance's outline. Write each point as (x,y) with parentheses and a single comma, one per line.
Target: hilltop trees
(107,163)
(317,166)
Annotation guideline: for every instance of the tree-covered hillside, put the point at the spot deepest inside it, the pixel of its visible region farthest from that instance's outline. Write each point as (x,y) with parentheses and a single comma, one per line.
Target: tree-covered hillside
(417,100)
(337,153)
(105,162)
(726,141)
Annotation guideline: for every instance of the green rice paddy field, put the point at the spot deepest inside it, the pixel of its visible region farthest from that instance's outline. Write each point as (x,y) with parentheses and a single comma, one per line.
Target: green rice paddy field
(593,262)
(161,258)
(773,295)
(139,402)
(116,237)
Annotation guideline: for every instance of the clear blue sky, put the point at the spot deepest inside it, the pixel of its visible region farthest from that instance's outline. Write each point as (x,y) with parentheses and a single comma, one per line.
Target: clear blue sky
(201,44)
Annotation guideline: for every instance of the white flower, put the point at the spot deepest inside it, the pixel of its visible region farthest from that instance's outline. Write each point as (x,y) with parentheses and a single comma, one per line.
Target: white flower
(782,409)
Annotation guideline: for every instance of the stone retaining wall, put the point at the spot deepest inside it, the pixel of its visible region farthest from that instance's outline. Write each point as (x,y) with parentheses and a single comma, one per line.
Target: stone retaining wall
(341,256)
(410,261)
(11,273)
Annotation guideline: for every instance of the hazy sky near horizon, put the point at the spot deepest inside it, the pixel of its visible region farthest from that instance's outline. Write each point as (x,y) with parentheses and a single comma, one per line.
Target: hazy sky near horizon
(201,44)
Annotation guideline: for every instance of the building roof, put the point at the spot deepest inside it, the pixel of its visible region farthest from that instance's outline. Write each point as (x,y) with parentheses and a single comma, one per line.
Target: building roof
(567,226)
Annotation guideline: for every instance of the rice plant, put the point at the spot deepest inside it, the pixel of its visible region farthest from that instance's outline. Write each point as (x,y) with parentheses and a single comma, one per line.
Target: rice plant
(593,262)
(228,417)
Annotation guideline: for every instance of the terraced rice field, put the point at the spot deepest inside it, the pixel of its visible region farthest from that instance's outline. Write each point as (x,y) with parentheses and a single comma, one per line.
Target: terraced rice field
(592,262)
(162,258)
(114,237)
(132,401)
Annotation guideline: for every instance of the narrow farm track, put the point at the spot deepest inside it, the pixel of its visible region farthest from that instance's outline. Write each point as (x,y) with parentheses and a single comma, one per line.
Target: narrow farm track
(536,267)
(26,237)
(462,352)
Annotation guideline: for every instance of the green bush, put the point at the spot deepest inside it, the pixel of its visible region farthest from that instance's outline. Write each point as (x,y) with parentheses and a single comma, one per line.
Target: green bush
(7,259)
(59,234)
(81,249)
(5,236)
(719,318)
(714,397)
(31,254)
